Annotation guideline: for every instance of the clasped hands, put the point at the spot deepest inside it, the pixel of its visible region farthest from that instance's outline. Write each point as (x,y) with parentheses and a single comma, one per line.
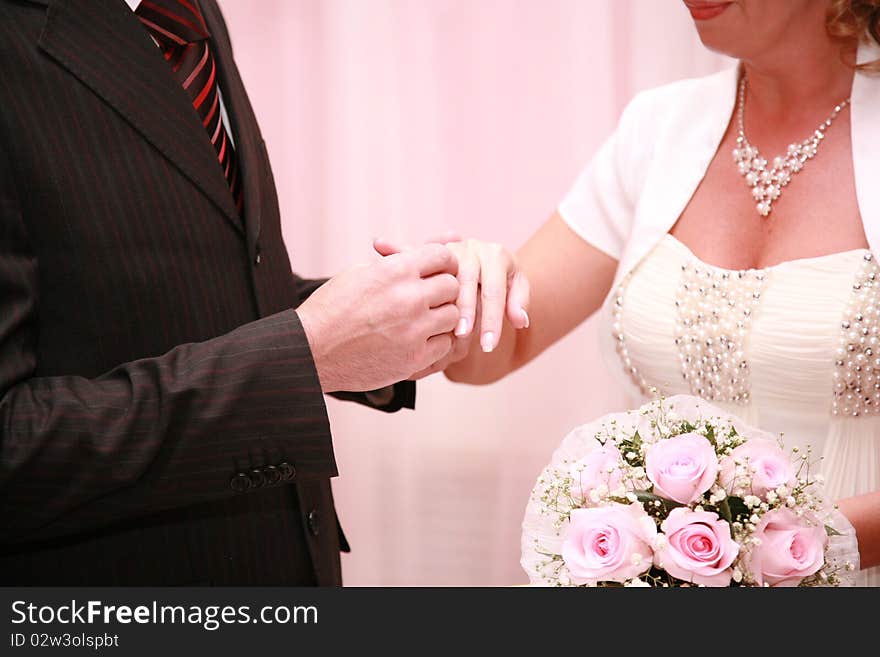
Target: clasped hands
(413,312)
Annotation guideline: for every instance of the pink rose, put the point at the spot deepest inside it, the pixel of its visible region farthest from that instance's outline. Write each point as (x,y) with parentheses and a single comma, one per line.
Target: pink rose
(599,467)
(768,466)
(791,548)
(608,543)
(698,548)
(682,468)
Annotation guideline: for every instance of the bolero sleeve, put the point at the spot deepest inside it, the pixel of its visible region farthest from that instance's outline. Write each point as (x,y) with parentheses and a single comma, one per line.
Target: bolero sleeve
(600,206)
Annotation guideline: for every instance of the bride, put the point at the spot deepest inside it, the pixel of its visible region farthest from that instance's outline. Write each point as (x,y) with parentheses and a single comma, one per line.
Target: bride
(725,233)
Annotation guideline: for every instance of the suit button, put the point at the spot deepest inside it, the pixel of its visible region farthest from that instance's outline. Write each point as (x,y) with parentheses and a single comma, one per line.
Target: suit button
(314,522)
(287,471)
(257,477)
(272,475)
(258,258)
(240,482)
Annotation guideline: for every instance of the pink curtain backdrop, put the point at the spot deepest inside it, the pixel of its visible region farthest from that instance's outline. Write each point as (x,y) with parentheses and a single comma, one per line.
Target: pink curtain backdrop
(403,118)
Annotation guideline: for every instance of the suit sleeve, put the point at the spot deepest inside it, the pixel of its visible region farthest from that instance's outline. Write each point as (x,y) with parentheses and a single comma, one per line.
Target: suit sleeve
(153,434)
(390,399)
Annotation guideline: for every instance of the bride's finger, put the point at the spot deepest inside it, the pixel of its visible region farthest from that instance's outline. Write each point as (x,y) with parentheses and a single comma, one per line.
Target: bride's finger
(518,301)
(494,268)
(468,286)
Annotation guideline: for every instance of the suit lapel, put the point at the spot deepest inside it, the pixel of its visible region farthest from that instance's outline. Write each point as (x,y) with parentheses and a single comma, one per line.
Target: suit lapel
(102,43)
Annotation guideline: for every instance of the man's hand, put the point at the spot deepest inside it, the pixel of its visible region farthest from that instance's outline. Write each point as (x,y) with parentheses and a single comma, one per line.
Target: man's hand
(492,287)
(376,324)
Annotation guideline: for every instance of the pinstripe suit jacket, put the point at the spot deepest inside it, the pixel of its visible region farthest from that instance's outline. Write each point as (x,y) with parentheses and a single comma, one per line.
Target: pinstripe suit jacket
(161,420)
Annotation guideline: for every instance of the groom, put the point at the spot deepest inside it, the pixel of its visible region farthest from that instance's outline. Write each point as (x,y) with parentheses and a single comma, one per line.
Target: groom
(162,370)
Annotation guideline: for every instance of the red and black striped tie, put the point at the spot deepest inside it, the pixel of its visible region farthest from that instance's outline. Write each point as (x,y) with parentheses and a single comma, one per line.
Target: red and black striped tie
(179,29)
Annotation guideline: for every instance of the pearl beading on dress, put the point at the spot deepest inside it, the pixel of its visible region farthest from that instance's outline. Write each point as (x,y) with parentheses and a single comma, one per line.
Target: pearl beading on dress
(856,377)
(714,309)
(620,338)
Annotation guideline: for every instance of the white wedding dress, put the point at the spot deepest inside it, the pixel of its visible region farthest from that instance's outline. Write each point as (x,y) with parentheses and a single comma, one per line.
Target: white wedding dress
(793,348)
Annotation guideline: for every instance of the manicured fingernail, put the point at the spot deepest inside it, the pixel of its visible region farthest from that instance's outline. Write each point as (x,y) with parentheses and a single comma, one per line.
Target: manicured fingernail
(462,327)
(487,342)
(525,317)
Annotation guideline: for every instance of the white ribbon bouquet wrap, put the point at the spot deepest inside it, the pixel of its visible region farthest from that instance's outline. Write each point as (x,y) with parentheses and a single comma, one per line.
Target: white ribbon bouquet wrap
(681,493)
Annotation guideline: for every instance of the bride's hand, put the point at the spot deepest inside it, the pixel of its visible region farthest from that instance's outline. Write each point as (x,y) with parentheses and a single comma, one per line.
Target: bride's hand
(491,286)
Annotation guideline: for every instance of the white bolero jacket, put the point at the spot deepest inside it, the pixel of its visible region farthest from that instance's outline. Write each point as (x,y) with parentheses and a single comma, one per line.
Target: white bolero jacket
(641,179)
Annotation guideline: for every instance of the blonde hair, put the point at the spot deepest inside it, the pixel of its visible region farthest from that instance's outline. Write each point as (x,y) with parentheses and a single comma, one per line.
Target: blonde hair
(851,21)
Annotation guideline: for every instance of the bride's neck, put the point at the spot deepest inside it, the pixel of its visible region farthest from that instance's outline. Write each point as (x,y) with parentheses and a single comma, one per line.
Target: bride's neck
(799,75)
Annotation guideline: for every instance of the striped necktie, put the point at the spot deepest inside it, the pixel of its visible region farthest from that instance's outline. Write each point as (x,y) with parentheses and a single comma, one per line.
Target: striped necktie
(179,29)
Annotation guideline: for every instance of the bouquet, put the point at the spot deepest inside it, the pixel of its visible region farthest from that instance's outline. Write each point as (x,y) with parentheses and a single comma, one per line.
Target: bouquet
(679,493)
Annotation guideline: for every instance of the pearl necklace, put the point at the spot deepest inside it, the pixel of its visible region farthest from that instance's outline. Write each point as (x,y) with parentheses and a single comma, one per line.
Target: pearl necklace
(767,185)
